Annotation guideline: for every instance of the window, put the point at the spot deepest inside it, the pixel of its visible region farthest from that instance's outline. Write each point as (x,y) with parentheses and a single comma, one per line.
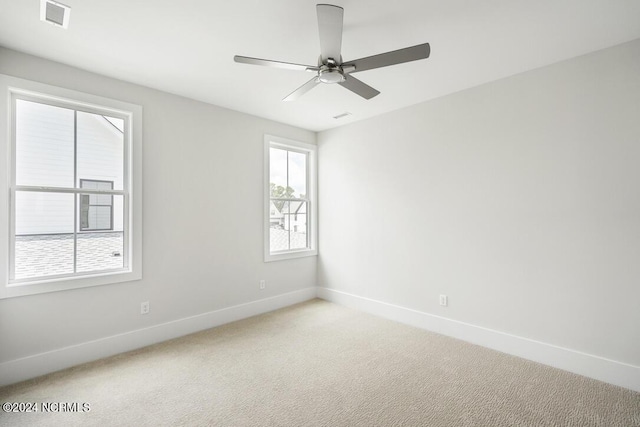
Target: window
(73,215)
(96,210)
(290,199)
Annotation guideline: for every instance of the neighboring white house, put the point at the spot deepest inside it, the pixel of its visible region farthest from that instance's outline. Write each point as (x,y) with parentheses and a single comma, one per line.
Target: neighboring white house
(292,217)
(95,142)
(275,216)
(288,226)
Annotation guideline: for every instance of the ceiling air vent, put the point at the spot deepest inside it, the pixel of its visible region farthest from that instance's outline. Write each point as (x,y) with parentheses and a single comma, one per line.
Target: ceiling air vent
(345,114)
(55,13)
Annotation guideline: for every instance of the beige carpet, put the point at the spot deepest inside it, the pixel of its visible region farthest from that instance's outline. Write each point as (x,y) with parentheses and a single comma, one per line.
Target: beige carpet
(320,364)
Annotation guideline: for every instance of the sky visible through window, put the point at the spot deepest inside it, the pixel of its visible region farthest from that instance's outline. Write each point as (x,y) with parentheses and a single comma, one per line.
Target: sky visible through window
(295,173)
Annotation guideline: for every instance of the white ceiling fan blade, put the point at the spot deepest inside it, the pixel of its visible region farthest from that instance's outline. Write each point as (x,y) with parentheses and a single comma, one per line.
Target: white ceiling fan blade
(358,87)
(330,29)
(399,56)
(302,90)
(274,64)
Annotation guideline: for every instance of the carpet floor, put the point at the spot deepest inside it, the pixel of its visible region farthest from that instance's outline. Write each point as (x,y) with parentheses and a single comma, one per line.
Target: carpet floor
(319,364)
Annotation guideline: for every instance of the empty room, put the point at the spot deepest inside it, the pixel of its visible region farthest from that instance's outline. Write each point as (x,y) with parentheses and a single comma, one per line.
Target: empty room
(286,213)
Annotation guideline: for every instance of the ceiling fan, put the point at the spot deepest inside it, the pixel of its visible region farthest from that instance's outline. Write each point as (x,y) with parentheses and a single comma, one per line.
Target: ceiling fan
(330,68)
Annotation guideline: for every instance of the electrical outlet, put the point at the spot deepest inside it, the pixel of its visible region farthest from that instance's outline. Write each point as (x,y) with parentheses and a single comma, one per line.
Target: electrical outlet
(263,284)
(444,300)
(144,307)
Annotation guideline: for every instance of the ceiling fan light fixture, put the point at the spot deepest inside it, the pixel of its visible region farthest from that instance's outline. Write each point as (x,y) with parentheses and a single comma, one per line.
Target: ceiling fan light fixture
(331,75)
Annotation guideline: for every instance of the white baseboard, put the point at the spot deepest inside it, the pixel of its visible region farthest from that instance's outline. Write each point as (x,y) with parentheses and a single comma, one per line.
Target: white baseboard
(39,364)
(599,368)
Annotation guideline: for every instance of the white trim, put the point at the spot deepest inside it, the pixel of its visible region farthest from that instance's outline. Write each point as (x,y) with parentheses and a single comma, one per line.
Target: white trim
(133,157)
(588,365)
(311,151)
(40,364)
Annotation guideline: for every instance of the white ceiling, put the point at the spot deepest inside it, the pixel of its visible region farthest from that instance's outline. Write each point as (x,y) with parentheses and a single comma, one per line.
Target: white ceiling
(187,47)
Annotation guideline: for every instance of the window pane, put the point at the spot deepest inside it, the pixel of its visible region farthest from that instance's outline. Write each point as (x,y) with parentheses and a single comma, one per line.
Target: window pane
(100,151)
(44,234)
(298,230)
(278,172)
(297,225)
(288,173)
(278,235)
(44,145)
(102,250)
(298,173)
(288,225)
(43,213)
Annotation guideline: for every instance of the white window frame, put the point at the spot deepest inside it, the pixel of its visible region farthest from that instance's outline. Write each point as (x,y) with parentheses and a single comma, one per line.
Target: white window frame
(11,88)
(312,189)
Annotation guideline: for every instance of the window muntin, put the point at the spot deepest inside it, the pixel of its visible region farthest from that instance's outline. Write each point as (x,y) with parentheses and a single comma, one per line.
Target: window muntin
(64,155)
(290,227)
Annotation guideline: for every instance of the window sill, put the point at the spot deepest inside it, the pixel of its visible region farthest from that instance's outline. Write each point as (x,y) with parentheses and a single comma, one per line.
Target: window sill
(36,286)
(290,255)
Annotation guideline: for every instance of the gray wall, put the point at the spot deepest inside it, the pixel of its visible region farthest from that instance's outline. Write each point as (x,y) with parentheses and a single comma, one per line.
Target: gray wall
(519,199)
(203,202)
